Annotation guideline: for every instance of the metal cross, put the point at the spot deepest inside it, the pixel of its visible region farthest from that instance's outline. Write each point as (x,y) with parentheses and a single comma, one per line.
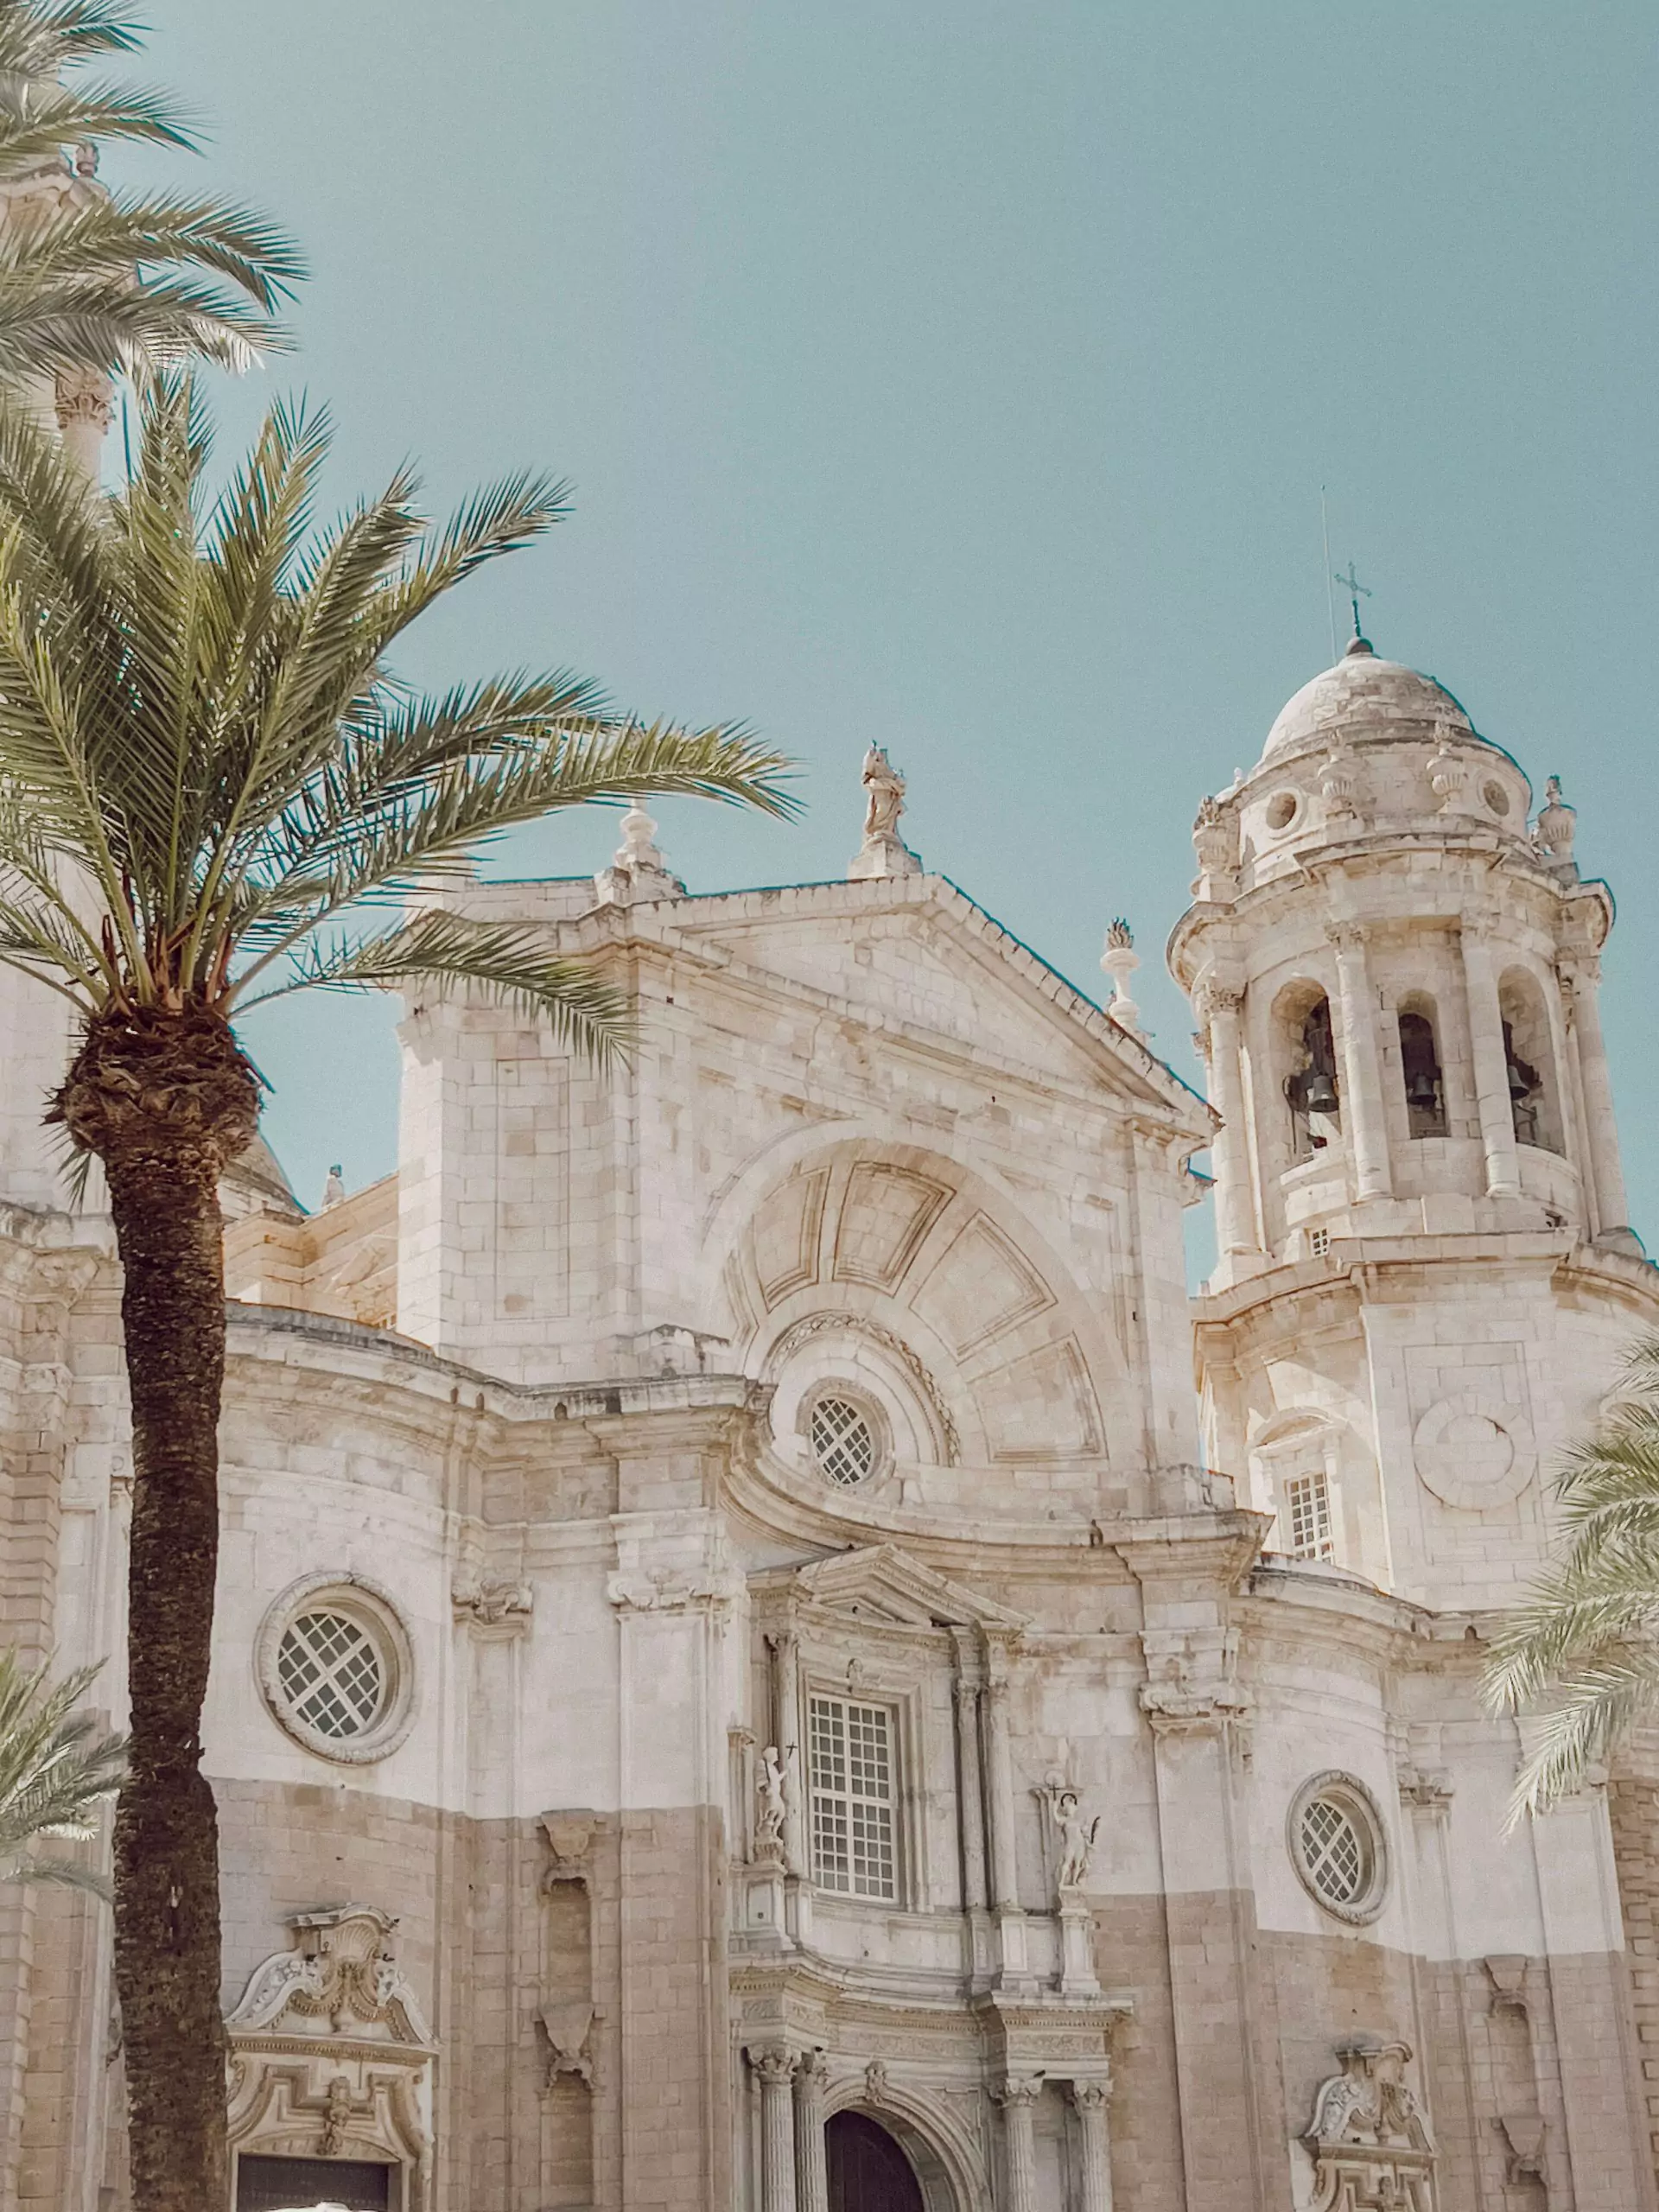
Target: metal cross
(1356,592)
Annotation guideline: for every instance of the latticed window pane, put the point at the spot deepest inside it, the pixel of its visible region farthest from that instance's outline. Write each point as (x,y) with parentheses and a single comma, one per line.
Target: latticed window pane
(843,1443)
(852,1798)
(331,1674)
(1334,1852)
(1307,1506)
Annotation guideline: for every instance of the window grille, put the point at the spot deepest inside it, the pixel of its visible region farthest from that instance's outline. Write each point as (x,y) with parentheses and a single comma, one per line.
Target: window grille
(852,1798)
(331,1674)
(1318,1242)
(1335,1853)
(1308,1510)
(843,1442)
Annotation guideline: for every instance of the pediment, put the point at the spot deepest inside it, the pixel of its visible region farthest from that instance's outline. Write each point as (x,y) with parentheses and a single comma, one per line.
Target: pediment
(880,1582)
(920,950)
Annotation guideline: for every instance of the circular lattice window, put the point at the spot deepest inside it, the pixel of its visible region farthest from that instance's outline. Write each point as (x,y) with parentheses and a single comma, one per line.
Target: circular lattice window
(1337,1846)
(845,1446)
(334,1665)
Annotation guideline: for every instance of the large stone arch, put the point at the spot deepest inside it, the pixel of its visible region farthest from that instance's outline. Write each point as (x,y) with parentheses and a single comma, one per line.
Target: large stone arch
(925,1270)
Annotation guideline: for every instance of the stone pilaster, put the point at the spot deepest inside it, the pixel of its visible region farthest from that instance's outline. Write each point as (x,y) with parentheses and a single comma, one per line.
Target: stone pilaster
(1364,1122)
(1236,1230)
(1491,1065)
(811,2180)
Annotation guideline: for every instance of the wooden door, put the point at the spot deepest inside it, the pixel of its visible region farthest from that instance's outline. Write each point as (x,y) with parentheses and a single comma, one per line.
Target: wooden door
(868,2172)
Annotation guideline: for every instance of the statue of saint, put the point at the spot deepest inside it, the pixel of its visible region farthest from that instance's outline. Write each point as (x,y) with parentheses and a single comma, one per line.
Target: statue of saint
(886,787)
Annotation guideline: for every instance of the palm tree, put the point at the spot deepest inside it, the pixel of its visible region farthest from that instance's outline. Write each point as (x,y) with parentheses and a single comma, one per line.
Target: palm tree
(71,252)
(55,1770)
(209,778)
(1583,1648)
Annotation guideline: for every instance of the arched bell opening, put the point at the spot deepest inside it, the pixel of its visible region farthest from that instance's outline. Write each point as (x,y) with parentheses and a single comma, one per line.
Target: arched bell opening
(1530,1062)
(1419,1066)
(869,2170)
(1306,1048)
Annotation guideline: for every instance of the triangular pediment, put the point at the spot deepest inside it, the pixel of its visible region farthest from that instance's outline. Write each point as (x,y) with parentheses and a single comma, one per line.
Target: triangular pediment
(918,953)
(880,1583)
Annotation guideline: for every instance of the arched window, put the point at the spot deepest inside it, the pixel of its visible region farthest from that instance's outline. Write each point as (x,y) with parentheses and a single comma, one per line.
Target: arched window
(1311,1087)
(1530,1061)
(1420,1062)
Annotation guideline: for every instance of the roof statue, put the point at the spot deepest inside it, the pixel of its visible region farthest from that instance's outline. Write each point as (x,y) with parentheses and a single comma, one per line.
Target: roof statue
(883,852)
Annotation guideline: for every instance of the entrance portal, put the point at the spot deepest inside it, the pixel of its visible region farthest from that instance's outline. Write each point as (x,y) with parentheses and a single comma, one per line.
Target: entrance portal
(328,2184)
(867,2170)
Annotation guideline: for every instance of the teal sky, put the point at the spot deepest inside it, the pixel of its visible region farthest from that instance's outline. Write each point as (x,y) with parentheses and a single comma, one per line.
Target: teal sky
(964,376)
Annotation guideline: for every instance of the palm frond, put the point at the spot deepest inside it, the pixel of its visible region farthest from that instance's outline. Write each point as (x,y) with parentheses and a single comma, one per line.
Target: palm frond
(56,1768)
(1581,1652)
(507,962)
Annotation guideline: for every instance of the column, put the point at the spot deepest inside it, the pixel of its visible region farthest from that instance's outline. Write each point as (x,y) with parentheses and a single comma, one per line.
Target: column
(1005,1883)
(774,2068)
(1491,1067)
(811,2180)
(1363,1121)
(1016,2096)
(1235,1200)
(1601,1131)
(1090,2100)
(970,1788)
(786,1709)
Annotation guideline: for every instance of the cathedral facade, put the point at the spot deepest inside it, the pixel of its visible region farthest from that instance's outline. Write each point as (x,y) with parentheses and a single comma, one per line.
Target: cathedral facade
(770,1659)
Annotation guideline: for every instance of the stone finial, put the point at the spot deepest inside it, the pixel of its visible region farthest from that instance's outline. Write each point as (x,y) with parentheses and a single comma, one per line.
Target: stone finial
(334,1189)
(637,869)
(883,852)
(1557,823)
(85,158)
(1120,960)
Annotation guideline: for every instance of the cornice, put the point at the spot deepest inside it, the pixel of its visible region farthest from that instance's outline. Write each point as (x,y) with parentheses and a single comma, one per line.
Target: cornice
(1363,1270)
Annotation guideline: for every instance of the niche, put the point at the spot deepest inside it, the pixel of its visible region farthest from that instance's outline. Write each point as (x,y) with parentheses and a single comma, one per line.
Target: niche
(1529,1062)
(1311,1087)
(1420,1064)
(565,2015)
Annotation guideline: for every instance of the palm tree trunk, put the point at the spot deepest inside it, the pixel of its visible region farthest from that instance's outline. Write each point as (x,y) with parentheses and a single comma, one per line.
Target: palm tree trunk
(165,1100)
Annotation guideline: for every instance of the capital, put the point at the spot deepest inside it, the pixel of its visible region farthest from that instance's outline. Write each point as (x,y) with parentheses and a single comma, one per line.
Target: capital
(1019,2092)
(1092,2096)
(775,2064)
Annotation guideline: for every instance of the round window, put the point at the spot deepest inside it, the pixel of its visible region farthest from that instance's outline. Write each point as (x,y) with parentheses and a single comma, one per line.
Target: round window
(842,1438)
(1282,809)
(1337,1846)
(334,1665)
(1497,798)
(331,1674)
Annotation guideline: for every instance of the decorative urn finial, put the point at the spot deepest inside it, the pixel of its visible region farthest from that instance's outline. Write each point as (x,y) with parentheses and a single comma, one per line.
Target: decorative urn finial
(1120,960)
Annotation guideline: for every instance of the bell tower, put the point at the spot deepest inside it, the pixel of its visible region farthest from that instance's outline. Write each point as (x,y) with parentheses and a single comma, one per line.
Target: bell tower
(1425,1270)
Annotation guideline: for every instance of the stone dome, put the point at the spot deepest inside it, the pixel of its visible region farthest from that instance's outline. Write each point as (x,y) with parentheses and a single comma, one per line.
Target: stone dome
(1362,696)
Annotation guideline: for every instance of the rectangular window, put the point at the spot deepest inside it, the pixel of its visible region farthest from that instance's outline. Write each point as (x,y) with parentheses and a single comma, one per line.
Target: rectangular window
(1318,1242)
(852,1798)
(1307,1512)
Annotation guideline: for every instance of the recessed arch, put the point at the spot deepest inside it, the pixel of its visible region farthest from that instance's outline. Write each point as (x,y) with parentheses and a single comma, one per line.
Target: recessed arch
(928,1283)
(867,2167)
(1530,1060)
(1303,1059)
(1421,1071)
(943,2153)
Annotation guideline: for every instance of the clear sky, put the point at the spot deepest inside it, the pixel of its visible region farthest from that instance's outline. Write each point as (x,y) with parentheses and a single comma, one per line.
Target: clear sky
(964,376)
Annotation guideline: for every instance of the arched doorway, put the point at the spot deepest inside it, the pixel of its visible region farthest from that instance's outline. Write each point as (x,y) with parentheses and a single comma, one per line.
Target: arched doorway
(867,2170)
